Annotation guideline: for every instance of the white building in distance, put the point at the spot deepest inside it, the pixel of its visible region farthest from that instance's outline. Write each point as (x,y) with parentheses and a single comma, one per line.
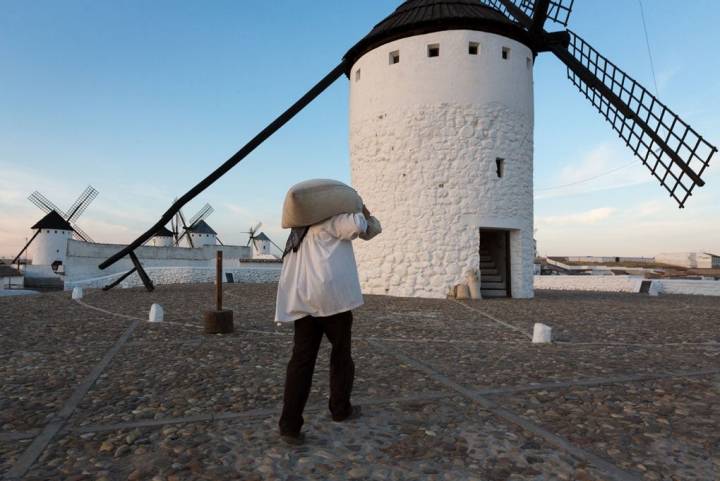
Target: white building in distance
(696,260)
(441,143)
(163,238)
(202,235)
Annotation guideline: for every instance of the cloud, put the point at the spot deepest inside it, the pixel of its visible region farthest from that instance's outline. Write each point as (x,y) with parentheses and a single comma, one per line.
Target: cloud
(606,166)
(583,218)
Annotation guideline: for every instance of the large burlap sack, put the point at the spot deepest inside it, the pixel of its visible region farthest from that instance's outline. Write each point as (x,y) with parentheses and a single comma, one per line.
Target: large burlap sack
(316,200)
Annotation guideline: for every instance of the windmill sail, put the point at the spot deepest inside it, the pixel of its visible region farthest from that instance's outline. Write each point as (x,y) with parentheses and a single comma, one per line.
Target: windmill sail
(81,204)
(201,215)
(44,204)
(674,152)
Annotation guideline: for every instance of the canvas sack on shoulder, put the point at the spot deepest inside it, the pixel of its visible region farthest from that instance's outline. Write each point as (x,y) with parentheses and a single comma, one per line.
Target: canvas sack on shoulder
(316,200)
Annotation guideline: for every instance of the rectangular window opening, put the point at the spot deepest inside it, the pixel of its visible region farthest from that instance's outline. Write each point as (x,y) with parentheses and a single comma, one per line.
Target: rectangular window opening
(473,48)
(394,57)
(434,50)
(528,62)
(505,53)
(500,164)
(357,75)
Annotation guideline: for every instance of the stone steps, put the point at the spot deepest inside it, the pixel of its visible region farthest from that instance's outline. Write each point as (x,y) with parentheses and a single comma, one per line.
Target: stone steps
(487,293)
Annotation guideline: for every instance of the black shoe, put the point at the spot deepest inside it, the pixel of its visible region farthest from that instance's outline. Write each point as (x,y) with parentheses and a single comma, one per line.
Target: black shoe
(355,413)
(293,439)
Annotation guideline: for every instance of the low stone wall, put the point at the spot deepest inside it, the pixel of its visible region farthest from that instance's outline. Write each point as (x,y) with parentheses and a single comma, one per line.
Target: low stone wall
(626,284)
(698,288)
(184,275)
(589,283)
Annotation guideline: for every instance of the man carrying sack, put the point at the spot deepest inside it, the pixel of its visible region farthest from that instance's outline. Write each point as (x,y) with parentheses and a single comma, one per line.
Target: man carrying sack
(319,286)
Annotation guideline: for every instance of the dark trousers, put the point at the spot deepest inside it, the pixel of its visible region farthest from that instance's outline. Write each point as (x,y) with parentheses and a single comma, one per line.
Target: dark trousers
(308,334)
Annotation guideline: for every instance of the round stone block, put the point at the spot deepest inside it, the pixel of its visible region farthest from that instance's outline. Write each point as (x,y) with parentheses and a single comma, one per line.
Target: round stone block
(219,322)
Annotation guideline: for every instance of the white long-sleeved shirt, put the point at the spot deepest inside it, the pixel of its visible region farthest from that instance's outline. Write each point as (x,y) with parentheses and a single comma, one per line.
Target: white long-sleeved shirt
(321,278)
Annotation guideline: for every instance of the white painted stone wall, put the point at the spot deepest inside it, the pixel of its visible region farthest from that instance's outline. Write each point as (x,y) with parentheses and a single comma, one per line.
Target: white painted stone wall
(185,275)
(424,138)
(626,284)
(83,258)
(49,246)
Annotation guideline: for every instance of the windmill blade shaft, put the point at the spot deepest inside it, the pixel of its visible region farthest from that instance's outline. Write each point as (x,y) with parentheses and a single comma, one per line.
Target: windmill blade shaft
(320,87)
(82,234)
(26,246)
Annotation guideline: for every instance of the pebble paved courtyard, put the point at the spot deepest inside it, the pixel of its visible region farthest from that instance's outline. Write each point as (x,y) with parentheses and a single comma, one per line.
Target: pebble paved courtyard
(630,390)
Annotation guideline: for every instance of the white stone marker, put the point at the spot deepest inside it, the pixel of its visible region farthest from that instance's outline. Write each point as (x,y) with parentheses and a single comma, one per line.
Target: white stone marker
(156,313)
(542,334)
(77,293)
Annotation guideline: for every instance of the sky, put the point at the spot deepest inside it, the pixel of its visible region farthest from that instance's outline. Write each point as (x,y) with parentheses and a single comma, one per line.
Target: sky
(144,99)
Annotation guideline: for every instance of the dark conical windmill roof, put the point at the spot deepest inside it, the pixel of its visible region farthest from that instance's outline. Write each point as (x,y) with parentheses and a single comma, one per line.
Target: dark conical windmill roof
(261,237)
(53,220)
(415,17)
(202,227)
(163,232)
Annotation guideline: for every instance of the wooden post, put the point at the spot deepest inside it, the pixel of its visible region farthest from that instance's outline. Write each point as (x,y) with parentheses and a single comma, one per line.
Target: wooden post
(219,321)
(218,279)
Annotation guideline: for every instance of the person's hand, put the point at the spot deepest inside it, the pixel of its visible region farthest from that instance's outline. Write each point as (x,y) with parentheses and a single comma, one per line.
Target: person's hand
(365,211)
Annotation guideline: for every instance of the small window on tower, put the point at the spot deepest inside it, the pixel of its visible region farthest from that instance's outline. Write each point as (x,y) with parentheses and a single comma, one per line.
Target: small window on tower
(434,50)
(473,48)
(505,53)
(394,57)
(529,63)
(500,164)
(357,75)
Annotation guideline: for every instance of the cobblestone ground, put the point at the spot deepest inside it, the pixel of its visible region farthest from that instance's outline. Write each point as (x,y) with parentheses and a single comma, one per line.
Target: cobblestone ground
(450,390)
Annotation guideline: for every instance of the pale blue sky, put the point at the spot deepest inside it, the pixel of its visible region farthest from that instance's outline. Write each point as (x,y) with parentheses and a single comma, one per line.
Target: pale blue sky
(143,99)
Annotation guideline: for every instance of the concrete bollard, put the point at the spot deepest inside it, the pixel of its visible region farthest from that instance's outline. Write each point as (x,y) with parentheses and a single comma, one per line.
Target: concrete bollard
(77,293)
(542,334)
(156,313)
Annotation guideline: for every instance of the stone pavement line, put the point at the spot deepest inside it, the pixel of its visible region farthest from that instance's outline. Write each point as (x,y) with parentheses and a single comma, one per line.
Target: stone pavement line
(562,443)
(509,326)
(627,379)
(253,413)
(30,455)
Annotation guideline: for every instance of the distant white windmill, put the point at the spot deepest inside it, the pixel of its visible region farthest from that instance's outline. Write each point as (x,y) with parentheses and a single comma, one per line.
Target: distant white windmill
(53,231)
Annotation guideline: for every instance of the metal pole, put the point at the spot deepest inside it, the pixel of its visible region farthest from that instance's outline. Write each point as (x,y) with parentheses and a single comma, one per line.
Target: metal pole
(218,279)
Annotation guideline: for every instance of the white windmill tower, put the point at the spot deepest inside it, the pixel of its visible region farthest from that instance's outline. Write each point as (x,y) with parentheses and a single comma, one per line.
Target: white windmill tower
(195,232)
(53,231)
(441,139)
(261,243)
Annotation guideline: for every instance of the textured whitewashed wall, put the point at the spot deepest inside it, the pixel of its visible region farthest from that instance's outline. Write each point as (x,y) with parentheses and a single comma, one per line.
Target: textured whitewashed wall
(49,246)
(425,134)
(184,275)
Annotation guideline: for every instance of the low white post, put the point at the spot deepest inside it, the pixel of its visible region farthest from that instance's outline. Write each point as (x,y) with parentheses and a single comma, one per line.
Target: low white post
(156,313)
(77,293)
(542,334)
